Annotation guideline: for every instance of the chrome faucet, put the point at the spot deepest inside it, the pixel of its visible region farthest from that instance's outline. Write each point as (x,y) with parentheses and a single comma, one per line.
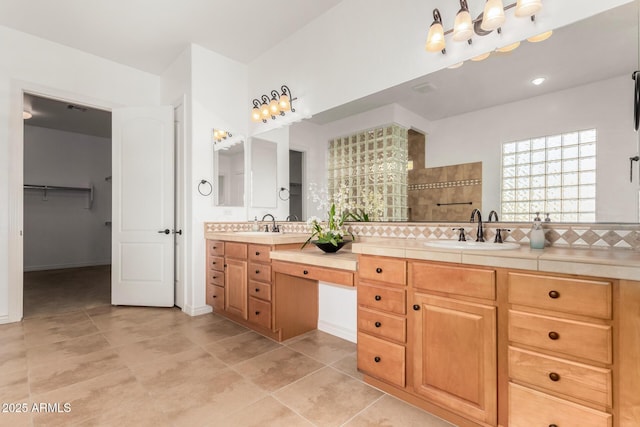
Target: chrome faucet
(292,217)
(274,227)
(493,214)
(480,233)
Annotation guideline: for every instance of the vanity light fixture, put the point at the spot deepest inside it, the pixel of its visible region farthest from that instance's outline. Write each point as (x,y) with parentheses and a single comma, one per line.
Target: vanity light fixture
(220,135)
(491,19)
(540,37)
(271,106)
(508,48)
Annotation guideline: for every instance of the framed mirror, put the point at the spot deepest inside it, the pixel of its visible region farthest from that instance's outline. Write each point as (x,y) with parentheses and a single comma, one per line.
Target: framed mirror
(264,173)
(229,167)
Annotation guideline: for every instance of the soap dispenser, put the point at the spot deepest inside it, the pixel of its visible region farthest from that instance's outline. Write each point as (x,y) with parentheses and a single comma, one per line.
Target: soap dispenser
(536,237)
(255,226)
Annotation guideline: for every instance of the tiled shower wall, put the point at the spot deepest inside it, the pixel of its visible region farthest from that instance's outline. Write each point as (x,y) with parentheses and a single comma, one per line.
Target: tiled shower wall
(585,236)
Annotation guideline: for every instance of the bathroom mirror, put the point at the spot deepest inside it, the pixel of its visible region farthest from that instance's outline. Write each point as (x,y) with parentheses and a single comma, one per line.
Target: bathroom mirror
(469,112)
(229,166)
(264,173)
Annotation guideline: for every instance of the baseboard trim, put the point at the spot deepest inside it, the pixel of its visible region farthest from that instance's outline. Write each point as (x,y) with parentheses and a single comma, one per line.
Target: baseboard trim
(338,331)
(4,319)
(30,268)
(197,311)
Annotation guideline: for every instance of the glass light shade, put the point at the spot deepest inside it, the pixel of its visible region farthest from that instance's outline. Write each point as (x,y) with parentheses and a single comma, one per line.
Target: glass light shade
(435,38)
(264,111)
(26,115)
(481,57)
(284,103)
(273,107)
(256,115)
(457,65)
(216,134)
(508,48)
(462,27)
(493,16)
(540,37)
(527,7)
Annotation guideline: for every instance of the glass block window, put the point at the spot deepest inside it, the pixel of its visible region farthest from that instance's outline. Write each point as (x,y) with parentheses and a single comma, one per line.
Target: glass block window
(368,170)
(552,174)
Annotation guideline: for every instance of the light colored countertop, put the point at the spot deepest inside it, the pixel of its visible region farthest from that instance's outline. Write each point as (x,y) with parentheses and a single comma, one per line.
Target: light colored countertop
(615,264)
(344,259)
(258,237)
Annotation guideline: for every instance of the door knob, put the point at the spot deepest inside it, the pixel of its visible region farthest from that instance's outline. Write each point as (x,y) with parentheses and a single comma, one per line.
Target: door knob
(165,231)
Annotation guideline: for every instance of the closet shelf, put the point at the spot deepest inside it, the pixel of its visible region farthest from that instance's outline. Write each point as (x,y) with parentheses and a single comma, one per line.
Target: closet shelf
(46,188)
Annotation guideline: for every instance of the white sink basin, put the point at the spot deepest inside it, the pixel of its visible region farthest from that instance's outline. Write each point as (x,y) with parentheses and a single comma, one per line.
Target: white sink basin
(256,233)
(471,245)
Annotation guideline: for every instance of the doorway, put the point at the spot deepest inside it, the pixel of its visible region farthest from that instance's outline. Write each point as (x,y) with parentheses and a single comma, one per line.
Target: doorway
(66,206)
(296,185)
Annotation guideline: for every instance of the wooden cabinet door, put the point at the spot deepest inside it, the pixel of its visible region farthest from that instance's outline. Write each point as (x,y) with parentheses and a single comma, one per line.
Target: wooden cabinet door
(454,357)
(235,290)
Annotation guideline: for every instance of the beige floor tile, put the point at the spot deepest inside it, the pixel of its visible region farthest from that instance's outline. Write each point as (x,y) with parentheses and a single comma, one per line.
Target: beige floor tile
(14,387)
(278,368)
(153,348)
(349,366)
(112,317)
(13,357)
(328,397)
(241,347)
(103,397)
(139,332)
(323,347)
(55,321)
(391,412)
(48,377)
(15,419)
(40,331)
(51,354)
(210,332)
(267,412)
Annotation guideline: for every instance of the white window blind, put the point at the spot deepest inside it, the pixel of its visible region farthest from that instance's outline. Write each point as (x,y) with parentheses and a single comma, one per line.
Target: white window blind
(552,174)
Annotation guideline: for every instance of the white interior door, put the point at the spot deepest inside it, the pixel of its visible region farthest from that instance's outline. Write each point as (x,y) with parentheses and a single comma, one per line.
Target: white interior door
(143,207)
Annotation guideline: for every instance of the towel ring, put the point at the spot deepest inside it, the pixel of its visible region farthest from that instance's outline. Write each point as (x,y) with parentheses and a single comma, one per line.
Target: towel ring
(206,192)
(286,195)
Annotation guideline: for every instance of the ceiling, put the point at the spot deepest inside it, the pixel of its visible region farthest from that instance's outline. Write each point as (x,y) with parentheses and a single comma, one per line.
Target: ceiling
(575,55)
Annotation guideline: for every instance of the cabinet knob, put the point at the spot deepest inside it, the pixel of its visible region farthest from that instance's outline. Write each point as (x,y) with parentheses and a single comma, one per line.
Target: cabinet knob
(554,294)
(257,289)
(378,297)
(215,277)
(416,307)
(257,271)
(554,376)
(376,359)
(554,335)
(214,296)
(257,313)
(213,262)
(257,253)
(378,270)
(378,324)
(225,266)
(553,425)
(305,272)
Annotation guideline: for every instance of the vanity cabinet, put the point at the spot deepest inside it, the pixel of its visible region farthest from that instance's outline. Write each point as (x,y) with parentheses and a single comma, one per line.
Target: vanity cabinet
(235,295)
(215,274)
(453,325)
(560,351)
(260,285)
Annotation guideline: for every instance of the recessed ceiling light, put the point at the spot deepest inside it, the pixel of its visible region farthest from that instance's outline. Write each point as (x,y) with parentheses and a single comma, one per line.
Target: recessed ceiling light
(538,81)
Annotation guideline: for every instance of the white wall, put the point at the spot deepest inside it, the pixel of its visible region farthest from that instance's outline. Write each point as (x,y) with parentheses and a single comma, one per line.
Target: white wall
(61,232)
(46,68)
(598,105)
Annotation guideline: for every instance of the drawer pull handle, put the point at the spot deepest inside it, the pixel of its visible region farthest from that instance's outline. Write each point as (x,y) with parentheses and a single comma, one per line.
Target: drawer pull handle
(553,425)
(376,359)
(257,271)
(257,253)
(378,297)
(554,294)
(416,307)
(214,296)
(378,270)
(305,272)
(257,313)
(257,289)
(554,335)
(554,376)
(378,324)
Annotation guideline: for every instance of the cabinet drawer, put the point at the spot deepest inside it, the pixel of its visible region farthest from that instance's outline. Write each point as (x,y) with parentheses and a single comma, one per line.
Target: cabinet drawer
(381,269)
(381,359)
(330,275)
(382,325)
(531,408)
(384,298)
(260,312)
(472,282)
(235,250)
(215,277)
(260,253)
(260,272)
(561,376)
(215,297)
(215,263)
(567,295)
(260,290)
(579,339)
(215,247)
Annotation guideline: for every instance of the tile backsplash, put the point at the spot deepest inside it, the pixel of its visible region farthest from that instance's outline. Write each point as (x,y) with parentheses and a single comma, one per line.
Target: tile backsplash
(577,235)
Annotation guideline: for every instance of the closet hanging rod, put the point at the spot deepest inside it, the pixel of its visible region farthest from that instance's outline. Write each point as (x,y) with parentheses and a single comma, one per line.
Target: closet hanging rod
(46,188)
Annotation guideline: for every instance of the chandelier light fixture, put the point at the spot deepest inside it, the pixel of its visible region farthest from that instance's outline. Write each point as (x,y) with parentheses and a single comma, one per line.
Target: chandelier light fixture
(272,106)
(491,19)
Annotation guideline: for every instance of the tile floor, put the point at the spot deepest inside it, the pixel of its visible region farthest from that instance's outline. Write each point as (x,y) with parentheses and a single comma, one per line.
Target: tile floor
(133,366)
